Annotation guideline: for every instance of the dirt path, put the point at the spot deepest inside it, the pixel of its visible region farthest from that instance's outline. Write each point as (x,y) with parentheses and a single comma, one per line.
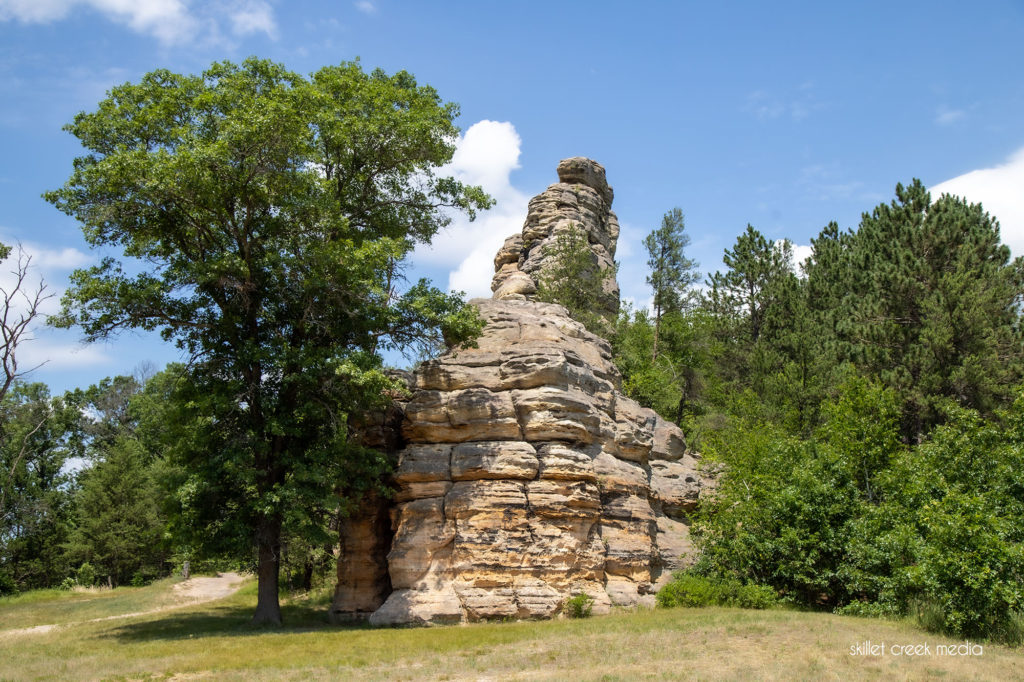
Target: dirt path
(191,591)
(196,590)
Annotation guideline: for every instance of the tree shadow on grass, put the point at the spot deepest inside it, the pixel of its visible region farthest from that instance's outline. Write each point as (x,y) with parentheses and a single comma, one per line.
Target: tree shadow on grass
(229,620)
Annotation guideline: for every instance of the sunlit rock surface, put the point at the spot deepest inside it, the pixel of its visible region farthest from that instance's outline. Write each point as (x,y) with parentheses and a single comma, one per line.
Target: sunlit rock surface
(524,475)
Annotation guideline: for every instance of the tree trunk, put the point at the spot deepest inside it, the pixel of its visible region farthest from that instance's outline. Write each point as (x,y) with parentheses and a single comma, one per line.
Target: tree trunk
(307,574)
(268,541)
(657,329)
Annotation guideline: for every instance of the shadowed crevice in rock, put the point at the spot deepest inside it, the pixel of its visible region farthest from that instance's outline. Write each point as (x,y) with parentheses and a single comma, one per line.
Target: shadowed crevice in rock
(526,475)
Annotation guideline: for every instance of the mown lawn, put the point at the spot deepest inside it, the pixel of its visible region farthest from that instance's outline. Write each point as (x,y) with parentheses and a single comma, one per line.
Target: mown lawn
(213,641)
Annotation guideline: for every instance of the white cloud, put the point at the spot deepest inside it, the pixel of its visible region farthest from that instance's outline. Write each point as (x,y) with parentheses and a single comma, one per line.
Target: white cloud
(35,11)
(168,20)
(365,6)
(946,116)
(20,295)
(797,105)
(45,266)
(253,17)
(172,22)
(52,355)
(51,260)
(57,259)
(999,190)
(485,155)
(801,252)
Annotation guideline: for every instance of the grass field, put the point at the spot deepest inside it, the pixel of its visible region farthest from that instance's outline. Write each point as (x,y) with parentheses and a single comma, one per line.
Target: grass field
(213,641)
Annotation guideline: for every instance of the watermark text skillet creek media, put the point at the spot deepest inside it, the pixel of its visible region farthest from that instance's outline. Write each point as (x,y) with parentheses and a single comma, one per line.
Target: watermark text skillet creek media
(869,648)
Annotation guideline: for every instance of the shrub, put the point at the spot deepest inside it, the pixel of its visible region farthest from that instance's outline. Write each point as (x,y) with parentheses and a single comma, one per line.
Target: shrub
(1011,631)
(867,609)
(7,584)
(691,590)
(86,575)
(579,606)
(929,615)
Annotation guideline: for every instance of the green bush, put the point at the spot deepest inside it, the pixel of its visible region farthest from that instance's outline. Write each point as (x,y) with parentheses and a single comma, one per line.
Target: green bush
(7,584)
(859,522)
(141,579)
(928,614)
(86,575)
(579,606)
(692,590)
(867,609)
(1011,631)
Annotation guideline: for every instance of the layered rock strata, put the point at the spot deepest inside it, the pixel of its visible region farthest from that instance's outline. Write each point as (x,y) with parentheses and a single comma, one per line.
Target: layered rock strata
(581,200)
(526,476)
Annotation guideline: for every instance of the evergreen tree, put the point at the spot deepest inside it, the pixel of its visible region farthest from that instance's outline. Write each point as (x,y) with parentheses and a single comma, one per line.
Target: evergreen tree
(572,277)
(119,506)
(740,301)
(672,273)
(933,307)
(748,287)
(118,528)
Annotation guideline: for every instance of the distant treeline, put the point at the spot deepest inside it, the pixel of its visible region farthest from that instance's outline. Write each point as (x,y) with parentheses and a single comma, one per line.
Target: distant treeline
(91,492)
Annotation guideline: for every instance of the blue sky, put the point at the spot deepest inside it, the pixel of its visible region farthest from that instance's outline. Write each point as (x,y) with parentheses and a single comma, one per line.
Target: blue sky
(783,115)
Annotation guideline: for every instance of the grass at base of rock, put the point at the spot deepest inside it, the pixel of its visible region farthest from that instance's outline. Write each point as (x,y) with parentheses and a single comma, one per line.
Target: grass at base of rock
(214,641)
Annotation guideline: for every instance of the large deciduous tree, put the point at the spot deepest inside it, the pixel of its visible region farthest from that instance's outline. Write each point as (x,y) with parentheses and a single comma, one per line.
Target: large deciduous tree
(264,218)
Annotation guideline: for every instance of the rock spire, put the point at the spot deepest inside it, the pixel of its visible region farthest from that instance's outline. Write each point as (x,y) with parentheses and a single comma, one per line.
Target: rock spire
(581,200)
(524,476)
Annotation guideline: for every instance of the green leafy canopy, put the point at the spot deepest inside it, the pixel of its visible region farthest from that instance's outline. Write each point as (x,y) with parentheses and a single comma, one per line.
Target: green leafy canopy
(265,218)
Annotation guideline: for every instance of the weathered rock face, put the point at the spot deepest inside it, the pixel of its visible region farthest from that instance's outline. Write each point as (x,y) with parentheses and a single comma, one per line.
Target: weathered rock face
(581,200)
(526,476)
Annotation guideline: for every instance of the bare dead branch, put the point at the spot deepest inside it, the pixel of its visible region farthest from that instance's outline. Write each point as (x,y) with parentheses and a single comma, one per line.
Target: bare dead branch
(20,305)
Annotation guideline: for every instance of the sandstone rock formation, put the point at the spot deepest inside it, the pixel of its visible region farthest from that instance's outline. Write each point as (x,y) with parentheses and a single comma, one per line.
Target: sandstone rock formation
(581,200)
(526,476)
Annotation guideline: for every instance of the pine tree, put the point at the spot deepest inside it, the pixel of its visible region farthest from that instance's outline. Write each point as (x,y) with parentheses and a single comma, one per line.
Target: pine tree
(740,300)
(747,288)
(572,277)
(933,309)
(672,273)
(118,528)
